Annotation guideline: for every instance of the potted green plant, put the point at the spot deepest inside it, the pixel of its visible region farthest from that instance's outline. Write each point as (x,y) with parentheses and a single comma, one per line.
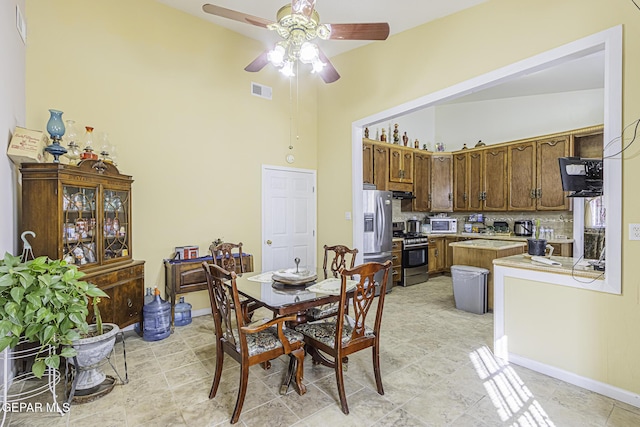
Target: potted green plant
(43,301)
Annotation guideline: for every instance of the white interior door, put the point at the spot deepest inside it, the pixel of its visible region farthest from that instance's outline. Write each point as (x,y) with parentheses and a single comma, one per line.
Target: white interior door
(288,217)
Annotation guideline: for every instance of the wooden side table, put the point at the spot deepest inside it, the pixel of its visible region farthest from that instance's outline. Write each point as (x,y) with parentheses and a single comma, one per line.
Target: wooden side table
(187,275)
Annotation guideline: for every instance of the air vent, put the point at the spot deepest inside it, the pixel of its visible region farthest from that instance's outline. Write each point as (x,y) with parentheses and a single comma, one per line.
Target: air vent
(260,90)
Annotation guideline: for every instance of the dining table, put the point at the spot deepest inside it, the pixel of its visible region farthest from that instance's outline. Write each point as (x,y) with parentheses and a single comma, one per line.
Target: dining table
(291,298)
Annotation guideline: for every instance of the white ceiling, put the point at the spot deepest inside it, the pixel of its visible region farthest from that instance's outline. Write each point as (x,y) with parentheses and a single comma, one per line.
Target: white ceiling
(400,14)
(581,74)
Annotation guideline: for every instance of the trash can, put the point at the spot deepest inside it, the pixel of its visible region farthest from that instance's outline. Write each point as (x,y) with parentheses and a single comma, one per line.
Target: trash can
(470,288)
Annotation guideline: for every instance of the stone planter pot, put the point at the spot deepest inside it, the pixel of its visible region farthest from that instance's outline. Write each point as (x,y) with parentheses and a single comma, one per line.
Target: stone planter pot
(536,247)
(91,352)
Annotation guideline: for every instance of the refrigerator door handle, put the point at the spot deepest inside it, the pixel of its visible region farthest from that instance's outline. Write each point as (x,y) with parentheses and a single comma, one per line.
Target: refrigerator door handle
(381,219)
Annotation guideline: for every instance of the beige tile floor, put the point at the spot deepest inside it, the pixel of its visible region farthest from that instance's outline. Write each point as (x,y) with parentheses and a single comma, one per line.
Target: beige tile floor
(437,370)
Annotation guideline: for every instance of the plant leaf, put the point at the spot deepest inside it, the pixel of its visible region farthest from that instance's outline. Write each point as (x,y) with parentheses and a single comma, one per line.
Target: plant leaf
(49,330)
(52,361)
(94,291)
(38,368)
(68,352)
(17,293)
(5,341)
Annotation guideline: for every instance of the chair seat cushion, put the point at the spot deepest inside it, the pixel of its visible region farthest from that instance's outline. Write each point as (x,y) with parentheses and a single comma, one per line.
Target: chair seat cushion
(325,332)
(323,311)
(266,340)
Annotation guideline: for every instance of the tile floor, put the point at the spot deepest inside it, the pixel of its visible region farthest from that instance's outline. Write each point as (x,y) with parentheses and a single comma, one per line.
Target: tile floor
(437,370)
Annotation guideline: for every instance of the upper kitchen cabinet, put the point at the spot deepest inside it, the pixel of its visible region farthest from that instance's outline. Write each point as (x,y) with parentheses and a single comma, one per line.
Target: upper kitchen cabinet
(401,164)
(588,142)
(460,182)
(494,179)
(522,176)
(534,174)
(442,183)
(375,164)
(421,182)
(549,193)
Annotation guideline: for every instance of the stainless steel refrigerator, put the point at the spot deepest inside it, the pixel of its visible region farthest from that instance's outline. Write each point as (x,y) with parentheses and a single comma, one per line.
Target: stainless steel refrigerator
(377,208)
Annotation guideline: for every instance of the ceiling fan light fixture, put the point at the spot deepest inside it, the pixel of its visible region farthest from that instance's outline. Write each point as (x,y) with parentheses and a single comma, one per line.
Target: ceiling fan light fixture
(287,69)
(308,53)
(276,56)
(317,65)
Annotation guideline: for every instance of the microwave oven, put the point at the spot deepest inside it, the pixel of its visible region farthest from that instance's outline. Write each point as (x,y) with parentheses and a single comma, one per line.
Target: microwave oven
(444,225)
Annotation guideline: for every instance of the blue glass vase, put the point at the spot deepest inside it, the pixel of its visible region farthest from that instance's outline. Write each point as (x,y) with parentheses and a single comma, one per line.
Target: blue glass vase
(55,127)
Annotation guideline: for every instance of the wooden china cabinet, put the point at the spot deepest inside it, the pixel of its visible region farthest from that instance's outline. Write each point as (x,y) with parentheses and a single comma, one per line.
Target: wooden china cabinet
(82,214)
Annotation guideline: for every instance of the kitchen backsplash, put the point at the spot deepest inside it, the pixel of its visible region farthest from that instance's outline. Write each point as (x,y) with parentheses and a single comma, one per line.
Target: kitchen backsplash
(560,222)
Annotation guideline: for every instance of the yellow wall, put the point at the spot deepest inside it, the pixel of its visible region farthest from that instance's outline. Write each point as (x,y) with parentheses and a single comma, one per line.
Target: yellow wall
(457,48)
(171,91)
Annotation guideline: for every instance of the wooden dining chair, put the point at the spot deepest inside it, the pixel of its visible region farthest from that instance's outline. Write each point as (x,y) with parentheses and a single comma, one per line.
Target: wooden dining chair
(227,259)
(340,254)
(247,344)
(343,335)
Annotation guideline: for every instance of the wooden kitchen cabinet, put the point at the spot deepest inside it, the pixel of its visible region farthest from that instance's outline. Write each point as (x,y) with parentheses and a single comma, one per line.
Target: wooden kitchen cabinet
(400,165)
(82,214)
(367,162)
(494,178)
(437,254)
(396,259)
(460,182)
(442,183)
(522,176)
(475,180)
(380,167)
(549,193)
(449,251)
(421,182)
(534,175)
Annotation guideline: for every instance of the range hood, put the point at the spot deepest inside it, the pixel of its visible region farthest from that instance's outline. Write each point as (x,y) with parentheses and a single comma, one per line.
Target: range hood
(403,195)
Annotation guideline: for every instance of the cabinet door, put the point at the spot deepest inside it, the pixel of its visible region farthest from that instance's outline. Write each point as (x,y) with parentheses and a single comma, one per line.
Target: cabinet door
(79,229)
(421,180)
(381,167)
(401,165)
(549,183)
(441,183)
(432,253)
(449,251)
(116,206)
(367,163)
(129,298)
(495,179)
(460,182)
(441,254)
(522,176)
(475,184)
(407,165)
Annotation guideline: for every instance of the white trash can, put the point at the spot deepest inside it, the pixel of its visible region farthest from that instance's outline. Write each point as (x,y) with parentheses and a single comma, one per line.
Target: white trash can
(470,288)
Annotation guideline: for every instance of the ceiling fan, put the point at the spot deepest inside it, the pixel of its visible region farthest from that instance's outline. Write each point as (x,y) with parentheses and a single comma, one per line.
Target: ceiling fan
(298,24)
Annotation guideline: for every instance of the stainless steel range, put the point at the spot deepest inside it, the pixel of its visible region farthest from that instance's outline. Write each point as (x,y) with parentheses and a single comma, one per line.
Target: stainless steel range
(415,250)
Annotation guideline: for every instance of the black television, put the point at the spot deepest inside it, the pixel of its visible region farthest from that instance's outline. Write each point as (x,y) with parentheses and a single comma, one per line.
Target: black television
(581,176)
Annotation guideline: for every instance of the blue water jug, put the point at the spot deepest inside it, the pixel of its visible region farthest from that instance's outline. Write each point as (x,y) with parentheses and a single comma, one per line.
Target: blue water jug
(157,319)
(182,313)
(147,299)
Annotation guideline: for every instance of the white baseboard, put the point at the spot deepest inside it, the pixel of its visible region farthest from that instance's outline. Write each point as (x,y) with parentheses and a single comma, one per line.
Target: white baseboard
(608,390)
(201,312)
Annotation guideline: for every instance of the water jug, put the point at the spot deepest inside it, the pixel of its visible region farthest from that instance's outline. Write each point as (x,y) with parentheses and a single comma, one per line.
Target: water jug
(157,319)
(147,299)
(182,313)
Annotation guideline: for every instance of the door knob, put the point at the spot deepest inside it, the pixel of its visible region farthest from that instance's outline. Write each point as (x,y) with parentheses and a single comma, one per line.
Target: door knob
(269,242)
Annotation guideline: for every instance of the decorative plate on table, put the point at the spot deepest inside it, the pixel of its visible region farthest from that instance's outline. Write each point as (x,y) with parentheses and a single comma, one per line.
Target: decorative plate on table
(293,276)
(331,286)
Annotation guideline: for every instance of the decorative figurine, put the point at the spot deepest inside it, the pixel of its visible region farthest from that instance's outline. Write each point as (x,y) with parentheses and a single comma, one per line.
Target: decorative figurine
(383,137)
(464,146)
(439,146)
(366,133)
(416,144)
(405,139)
(396,137)
(480,144)
(424,146)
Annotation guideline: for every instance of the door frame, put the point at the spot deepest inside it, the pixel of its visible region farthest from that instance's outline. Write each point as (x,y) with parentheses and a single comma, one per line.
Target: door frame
(609,41)
(314,175)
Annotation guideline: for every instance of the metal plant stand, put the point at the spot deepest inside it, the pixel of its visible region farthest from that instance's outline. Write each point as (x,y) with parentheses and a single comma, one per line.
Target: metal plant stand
(71,379)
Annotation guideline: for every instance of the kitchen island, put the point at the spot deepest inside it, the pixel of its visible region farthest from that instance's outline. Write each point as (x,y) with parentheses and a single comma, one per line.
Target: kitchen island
(481,253)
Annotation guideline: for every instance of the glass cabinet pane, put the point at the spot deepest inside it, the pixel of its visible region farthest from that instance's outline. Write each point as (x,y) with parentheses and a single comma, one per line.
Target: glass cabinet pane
(116,224)
(79,225)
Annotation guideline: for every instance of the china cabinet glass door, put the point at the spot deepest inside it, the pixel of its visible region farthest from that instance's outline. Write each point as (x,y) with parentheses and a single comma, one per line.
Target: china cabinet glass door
(79,229)
(116,224)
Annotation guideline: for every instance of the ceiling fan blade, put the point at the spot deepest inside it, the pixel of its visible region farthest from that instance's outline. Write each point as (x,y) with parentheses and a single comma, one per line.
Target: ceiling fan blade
(303,7)
(236,16)
(329,73)
(258,63)
(366,31)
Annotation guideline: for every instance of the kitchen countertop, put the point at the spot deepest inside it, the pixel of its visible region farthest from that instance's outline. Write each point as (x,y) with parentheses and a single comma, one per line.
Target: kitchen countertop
(496,237)
(487,244)
(575,267)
